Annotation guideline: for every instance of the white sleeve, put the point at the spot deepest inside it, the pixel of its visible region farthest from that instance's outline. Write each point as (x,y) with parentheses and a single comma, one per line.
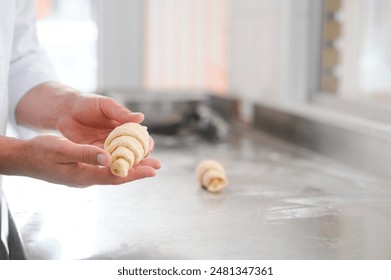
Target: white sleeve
(29,66)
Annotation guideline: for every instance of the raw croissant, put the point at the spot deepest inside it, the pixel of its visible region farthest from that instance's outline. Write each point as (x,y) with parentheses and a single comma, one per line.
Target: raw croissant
(211,175)
(127,144)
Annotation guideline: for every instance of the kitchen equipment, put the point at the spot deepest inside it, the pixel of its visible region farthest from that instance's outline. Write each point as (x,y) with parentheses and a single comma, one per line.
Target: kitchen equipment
(174,113)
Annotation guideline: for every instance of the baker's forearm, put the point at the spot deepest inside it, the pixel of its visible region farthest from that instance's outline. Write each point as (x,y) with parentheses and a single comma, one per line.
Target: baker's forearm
(11,155)
(43,105)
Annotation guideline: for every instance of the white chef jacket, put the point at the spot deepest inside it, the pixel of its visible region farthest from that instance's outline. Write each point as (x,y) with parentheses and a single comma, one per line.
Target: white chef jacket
(22,67)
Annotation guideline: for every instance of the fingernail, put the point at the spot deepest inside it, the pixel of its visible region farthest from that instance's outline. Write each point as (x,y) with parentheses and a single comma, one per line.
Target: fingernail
(135,114)
(101,158)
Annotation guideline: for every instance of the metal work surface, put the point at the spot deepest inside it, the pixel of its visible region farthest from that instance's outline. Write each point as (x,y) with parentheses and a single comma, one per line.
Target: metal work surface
(355,141)
(282,203)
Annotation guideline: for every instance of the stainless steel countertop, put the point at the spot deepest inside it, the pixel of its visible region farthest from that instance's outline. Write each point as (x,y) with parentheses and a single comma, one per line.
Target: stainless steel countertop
(283,202)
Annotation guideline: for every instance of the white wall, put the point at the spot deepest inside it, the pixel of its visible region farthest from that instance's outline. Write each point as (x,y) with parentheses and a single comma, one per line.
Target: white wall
(120,47)
(269,55)
(365,45)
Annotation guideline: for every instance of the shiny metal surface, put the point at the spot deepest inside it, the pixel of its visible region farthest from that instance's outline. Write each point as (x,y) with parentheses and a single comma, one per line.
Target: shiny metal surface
(355,141)
(282,203)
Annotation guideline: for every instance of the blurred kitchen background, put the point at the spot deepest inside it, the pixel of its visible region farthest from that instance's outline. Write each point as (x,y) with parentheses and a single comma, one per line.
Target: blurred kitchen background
(332,53)
(317,58)
(326,52)
(272,77)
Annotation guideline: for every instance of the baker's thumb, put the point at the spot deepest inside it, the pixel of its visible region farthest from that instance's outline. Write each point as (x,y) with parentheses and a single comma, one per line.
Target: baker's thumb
(88,154)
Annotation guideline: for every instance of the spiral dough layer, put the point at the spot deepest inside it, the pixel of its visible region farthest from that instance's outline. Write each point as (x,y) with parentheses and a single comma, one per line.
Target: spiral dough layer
(127,144)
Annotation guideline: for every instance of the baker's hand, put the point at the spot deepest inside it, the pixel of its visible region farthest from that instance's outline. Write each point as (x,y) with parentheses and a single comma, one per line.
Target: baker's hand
(58,160)
(83,119)
(88,119)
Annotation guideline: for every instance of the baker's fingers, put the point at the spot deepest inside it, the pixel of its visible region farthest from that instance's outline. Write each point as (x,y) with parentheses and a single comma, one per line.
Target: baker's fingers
(136,173)
(84,175)
(140,172)
(116,112)
(152,162)
(151,145)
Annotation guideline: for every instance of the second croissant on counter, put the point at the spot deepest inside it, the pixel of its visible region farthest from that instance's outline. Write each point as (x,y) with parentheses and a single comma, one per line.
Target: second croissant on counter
(211,175)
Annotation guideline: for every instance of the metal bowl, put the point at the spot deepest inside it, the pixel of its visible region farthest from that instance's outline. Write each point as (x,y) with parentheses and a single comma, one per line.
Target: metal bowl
(164,111)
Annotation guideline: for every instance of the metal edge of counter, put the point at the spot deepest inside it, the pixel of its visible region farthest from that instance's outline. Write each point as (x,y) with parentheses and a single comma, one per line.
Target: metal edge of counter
(358,142)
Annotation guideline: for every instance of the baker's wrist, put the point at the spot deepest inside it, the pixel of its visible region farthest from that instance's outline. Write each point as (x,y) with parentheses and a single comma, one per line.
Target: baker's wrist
(43,105)
(66,102)
(12,157)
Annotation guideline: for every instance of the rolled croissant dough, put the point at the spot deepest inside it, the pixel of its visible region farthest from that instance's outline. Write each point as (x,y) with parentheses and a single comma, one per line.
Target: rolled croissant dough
(211,175)
(127,144)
